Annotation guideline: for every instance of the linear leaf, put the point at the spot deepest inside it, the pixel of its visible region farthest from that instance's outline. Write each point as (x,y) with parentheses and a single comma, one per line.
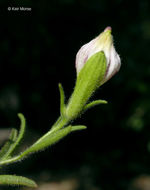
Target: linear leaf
(47,140)
(22,128)
(16,180)
(78,127)
(94,103)
(4,152)
(18,139)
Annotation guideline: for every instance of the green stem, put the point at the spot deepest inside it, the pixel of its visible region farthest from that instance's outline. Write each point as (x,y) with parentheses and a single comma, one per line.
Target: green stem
(56,123)
(11,160)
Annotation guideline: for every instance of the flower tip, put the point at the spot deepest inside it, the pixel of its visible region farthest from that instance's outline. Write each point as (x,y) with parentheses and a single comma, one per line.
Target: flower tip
(108,28)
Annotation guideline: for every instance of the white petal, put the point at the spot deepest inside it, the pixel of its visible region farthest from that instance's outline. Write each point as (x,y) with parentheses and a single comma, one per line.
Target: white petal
(104,42)
(83,54)
(113,65)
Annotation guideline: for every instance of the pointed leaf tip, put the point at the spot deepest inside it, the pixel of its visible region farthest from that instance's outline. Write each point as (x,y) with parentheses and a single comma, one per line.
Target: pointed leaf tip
(94,103)
(78,127)
(16,180)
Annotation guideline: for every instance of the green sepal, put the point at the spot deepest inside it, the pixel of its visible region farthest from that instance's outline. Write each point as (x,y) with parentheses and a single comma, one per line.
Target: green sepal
(6,149)
(94,103)
(62,99)
(47,140)
(16,180)
(88,80)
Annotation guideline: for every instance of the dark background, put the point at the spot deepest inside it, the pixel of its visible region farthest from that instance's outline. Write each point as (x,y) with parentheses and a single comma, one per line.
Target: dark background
(37,51)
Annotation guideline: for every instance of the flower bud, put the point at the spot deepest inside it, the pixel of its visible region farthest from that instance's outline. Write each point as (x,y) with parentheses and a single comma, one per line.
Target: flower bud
(96,62)
(104,42)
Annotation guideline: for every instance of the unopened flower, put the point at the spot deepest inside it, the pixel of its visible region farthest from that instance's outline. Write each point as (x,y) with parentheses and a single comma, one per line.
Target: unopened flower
(104,42)
(96,62)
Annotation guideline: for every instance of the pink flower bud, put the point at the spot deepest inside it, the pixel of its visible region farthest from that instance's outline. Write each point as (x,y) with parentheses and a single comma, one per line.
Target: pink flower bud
(104,42)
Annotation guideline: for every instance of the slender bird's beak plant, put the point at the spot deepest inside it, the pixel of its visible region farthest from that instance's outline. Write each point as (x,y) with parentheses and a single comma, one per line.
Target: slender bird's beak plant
(96,62)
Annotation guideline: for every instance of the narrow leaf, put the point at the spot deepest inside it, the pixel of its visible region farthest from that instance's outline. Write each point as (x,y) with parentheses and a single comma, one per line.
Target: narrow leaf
(16,180)
(94,103)
(5,150)
(78,127)
(17,140)
(22,128)
(47,140)
(62,98)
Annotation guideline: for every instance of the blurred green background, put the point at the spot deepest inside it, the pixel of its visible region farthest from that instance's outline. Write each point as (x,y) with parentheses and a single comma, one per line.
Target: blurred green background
(37,51)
